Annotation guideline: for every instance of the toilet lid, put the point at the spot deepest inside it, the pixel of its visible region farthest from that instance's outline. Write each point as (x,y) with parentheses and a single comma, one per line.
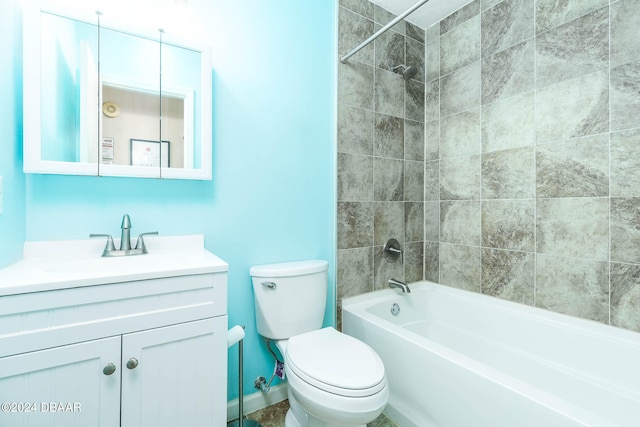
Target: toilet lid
(335,362)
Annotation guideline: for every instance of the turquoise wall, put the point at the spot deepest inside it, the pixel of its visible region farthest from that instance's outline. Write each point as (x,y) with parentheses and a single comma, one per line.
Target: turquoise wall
(272,197)
(12,219)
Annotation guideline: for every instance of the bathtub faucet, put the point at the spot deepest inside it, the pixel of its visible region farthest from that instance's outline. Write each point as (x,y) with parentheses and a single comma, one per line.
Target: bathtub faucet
(393,283)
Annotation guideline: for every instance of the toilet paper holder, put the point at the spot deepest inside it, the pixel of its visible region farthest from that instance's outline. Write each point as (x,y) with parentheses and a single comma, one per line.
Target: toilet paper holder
(236,335)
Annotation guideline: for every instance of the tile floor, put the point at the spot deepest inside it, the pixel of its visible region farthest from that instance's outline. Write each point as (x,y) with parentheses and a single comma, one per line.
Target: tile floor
(273,416)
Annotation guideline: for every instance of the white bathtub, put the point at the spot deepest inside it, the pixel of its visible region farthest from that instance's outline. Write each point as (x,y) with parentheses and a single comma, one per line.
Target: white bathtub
(461,359)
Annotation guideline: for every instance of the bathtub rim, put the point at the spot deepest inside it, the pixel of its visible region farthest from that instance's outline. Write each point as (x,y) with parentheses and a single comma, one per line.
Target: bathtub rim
(360,303)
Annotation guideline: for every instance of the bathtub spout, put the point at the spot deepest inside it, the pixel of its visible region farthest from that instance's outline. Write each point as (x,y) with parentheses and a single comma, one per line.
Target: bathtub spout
(393,283)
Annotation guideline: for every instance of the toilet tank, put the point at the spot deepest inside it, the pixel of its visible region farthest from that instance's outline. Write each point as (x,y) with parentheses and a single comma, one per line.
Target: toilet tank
(290,298)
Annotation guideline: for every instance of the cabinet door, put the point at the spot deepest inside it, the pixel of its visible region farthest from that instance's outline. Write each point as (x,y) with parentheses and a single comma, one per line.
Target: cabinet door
(176,376)
(63,386)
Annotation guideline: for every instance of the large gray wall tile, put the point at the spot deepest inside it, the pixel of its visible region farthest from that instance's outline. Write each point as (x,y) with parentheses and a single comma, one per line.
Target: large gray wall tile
(625,21)
(460,134)
(389,50)
(506,24)
(625,96)
(432,140)
(414,140)
(355,177)
(414,108)
(574,286)
(389,93)
(625,163)
(573,227)
(415,54)
(508,73)
(388,140)
(509,224)
(388,222)
(413,181)
(355,271)
(461,266)
(432,261)
(460,90)
(355,224)
(509,123)
(415,32)
(572,108)
(355,130)
(574,168)
(432,100)
(353,28)
(431,221)
(553,13)
(573,49)
(432,180)
(460,16)
(432,59)
(413,261)
(413,221)
(508,275)
(388,179)
(362,7)
(460,46)
(625,296)
(508,174)
(460,178)
(460,222)
(355,84)
(625,229)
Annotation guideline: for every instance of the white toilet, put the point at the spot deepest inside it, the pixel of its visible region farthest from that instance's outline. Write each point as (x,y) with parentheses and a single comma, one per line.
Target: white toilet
(334,379)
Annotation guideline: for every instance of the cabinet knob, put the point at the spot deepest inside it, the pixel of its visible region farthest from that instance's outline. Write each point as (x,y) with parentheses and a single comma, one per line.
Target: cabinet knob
(132,363)
(109,369)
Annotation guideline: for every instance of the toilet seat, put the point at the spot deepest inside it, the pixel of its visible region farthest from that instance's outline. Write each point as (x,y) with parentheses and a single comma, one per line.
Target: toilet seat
(336,363)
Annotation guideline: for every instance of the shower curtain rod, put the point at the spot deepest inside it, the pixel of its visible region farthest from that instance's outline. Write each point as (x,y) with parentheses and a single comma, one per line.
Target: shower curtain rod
(382,30)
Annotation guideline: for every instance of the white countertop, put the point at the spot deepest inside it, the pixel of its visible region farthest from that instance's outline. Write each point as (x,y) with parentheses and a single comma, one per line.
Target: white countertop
(52,265)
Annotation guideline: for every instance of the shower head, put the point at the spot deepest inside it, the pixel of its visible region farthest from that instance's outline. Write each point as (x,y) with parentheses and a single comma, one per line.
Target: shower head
(406,72)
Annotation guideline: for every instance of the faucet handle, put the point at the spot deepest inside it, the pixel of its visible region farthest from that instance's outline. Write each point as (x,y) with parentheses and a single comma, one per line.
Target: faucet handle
(392,251)
(140,243)
(110,246)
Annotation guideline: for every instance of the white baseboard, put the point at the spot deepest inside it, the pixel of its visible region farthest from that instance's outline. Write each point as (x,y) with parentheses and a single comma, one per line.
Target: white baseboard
(258,400)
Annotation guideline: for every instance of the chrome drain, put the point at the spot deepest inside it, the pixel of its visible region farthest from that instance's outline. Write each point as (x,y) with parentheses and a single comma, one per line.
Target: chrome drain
(395,309)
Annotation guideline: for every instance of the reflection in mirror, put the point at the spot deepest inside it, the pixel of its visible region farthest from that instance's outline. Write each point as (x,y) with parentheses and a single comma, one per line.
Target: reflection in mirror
(69,58)
(181,101)
(130,89)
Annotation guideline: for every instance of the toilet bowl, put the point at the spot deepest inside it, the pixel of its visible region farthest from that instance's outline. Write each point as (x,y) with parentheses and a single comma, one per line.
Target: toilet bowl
(333,379)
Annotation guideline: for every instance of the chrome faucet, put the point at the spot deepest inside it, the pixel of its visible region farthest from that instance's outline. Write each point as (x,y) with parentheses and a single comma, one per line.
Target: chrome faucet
(393,283)
(125,237)
(125,241)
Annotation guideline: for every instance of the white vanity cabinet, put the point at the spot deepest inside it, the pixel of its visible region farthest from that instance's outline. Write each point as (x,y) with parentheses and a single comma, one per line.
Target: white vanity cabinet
(143,353)
(34,383)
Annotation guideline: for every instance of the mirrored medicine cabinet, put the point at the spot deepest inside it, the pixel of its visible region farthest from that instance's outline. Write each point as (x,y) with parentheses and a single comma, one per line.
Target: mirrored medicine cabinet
(100,100)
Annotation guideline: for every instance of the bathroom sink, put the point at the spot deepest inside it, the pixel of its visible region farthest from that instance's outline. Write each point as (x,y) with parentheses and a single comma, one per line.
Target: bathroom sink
(104,265)
(82,264)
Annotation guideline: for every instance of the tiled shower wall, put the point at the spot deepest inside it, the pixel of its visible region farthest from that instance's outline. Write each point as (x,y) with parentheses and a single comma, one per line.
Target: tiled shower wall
(380,150)
(531,157)
(532,164)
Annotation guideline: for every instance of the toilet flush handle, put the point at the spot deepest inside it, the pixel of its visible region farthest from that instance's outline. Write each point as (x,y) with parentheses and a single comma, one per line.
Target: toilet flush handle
(269,285)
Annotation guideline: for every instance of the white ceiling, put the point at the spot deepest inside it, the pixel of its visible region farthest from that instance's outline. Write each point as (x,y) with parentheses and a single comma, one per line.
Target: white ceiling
(428,14)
